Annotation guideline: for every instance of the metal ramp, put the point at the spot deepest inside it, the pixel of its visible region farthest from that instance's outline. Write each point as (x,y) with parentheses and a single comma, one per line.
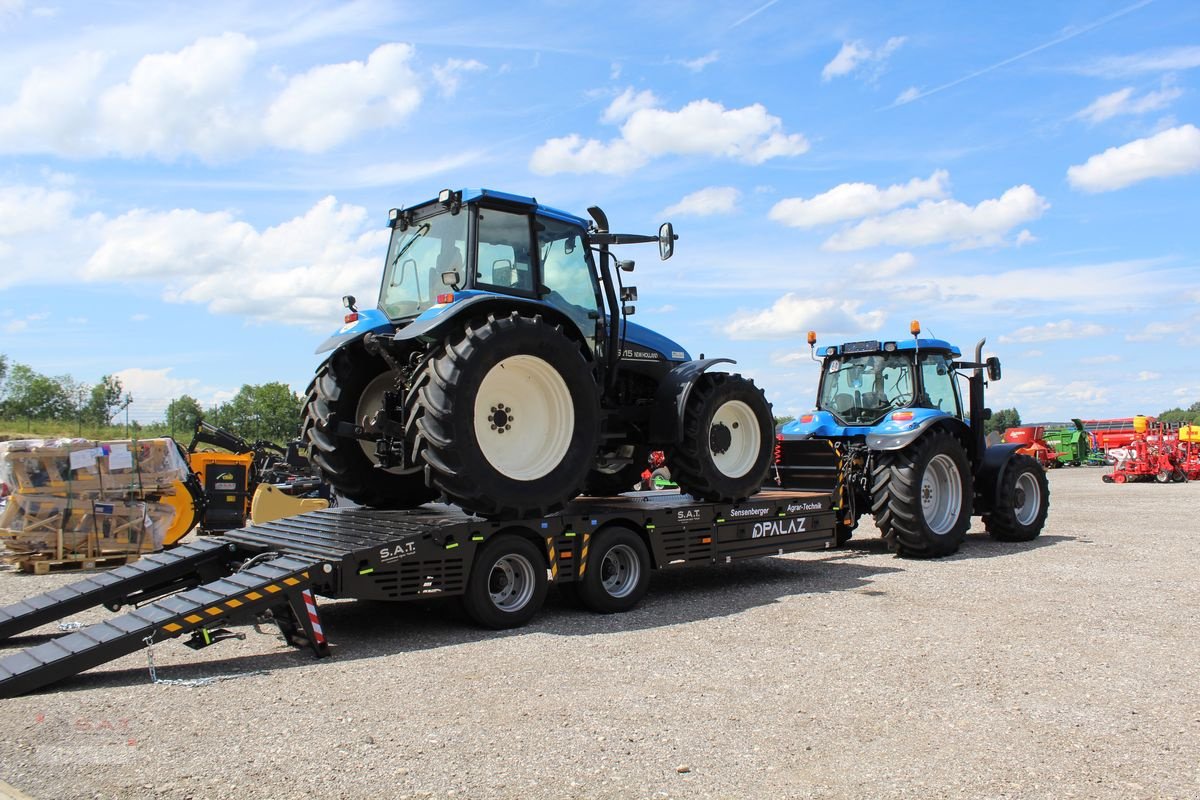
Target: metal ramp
(282,581)
(149,577)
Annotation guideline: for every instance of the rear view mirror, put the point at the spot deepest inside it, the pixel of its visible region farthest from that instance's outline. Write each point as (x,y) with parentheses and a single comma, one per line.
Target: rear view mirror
(993,368)
(666,241)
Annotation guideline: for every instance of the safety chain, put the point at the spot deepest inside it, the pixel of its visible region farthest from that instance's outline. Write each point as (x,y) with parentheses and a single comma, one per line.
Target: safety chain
(190,683)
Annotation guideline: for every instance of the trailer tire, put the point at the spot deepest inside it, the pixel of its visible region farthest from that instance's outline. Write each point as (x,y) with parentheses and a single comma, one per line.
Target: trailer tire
(346,388)
(616,573)
(921,496)
(508,417)
(1021,504)
(507,584)
(728,440)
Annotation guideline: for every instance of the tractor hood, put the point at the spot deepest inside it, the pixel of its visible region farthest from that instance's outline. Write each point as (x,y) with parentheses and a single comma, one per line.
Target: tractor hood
(643,344)
(824,425)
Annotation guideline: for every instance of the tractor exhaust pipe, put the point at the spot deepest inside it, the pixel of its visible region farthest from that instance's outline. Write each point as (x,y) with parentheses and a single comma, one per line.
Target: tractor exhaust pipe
(978,421)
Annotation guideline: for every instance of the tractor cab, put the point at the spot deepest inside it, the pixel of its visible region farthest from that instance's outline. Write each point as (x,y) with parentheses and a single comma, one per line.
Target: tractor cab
(862,382)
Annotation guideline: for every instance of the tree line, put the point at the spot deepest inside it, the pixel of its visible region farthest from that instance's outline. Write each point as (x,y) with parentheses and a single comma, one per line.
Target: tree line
(265,411)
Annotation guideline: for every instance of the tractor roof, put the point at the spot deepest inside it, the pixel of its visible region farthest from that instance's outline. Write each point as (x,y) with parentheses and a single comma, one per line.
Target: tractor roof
(471,195)
(903,345)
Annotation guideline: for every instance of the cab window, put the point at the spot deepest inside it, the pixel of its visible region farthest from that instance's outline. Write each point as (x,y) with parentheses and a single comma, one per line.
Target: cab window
(505,262)
(568,281)
(937,383)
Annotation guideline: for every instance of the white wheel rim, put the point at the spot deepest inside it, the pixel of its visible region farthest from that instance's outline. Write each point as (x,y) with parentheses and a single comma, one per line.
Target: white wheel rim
(941,494)
(734,439)
(524,417)
(1028,499)
(370,401)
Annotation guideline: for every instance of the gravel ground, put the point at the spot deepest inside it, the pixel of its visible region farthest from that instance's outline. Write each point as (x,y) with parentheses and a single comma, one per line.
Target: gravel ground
(1065,667)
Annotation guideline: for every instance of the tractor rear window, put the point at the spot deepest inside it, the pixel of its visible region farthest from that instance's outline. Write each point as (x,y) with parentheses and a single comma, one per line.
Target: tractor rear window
(417,257)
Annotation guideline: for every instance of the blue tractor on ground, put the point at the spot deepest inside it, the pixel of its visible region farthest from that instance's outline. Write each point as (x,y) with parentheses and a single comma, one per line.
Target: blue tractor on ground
(892,435)
(500,373)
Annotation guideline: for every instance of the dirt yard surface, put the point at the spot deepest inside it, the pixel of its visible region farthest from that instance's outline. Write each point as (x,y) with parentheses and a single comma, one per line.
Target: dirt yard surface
(1065,667)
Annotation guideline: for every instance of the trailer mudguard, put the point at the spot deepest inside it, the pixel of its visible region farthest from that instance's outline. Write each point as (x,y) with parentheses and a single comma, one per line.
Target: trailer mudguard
(666,423)
(991,471)
(370,320)
(431,326)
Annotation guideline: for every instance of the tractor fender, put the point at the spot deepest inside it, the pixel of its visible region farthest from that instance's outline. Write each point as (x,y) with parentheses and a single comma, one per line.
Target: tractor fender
(900,440)
(990,473)
(666,423)
(370,320)
(433,327)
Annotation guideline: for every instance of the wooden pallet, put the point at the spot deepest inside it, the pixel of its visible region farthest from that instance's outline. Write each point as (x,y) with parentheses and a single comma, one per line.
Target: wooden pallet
(44,566)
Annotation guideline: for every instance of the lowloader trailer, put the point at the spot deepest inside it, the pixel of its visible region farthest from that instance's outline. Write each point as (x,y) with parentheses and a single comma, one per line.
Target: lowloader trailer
(603,549)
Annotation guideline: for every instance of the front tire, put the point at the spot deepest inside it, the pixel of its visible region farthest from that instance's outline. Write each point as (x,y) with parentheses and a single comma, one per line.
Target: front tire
(508,414)
(507,584)
(728,440)
(1021,504)
(349,387)
(617,573)
(921,496)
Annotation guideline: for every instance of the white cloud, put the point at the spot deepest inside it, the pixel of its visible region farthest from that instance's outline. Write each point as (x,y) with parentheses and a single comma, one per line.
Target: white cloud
(706,202)
(1052,331)
(1052,389)
(856,200)
(1108,358)
(1175,151)
(26,209)
(448,74)
(1157,330)
(54,111)
(293,272)
(932,222)
(153,387)
(907,96)
(1147,375)
(854,55)
(1025,237)
(792,314)
(330,104)
(181,102)
(1163,60)
(16,326)
(698,64)
(894,265)
(702,128)
(626,103)
(1123,102)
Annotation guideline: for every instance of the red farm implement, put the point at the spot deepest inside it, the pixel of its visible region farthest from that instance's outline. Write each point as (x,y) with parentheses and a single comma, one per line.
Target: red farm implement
(1154,453)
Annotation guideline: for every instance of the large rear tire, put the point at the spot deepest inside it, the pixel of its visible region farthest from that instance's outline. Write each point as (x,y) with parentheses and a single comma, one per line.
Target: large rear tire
(728,440)
(508,414)
(349,388)
(1021,504)
(921,496)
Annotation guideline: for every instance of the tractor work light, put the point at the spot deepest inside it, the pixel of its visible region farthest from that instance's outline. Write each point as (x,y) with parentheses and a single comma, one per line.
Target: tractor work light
(889,347)
(444,196)
(829,351)
(393,215)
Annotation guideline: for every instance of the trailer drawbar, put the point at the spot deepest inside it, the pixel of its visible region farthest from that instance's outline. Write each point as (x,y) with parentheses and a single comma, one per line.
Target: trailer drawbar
(501,570)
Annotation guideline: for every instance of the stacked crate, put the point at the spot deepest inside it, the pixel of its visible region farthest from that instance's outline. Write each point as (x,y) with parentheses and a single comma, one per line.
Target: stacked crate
(78,503)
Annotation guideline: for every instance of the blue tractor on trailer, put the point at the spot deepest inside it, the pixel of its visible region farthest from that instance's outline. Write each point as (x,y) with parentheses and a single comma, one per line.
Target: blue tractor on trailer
(500,372)
(907,450)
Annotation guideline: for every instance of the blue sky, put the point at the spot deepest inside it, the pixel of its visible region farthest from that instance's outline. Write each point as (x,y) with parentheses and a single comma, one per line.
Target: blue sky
(187,190)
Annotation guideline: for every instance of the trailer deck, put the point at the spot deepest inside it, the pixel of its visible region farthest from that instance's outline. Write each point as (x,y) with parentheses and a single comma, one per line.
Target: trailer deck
(361,553)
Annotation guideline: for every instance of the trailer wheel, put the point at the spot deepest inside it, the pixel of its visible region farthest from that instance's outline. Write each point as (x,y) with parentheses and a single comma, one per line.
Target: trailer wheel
(348,388)
(921,496)
(1021,504)
(508,415)
(617,572)
(728,440)
(507,584)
